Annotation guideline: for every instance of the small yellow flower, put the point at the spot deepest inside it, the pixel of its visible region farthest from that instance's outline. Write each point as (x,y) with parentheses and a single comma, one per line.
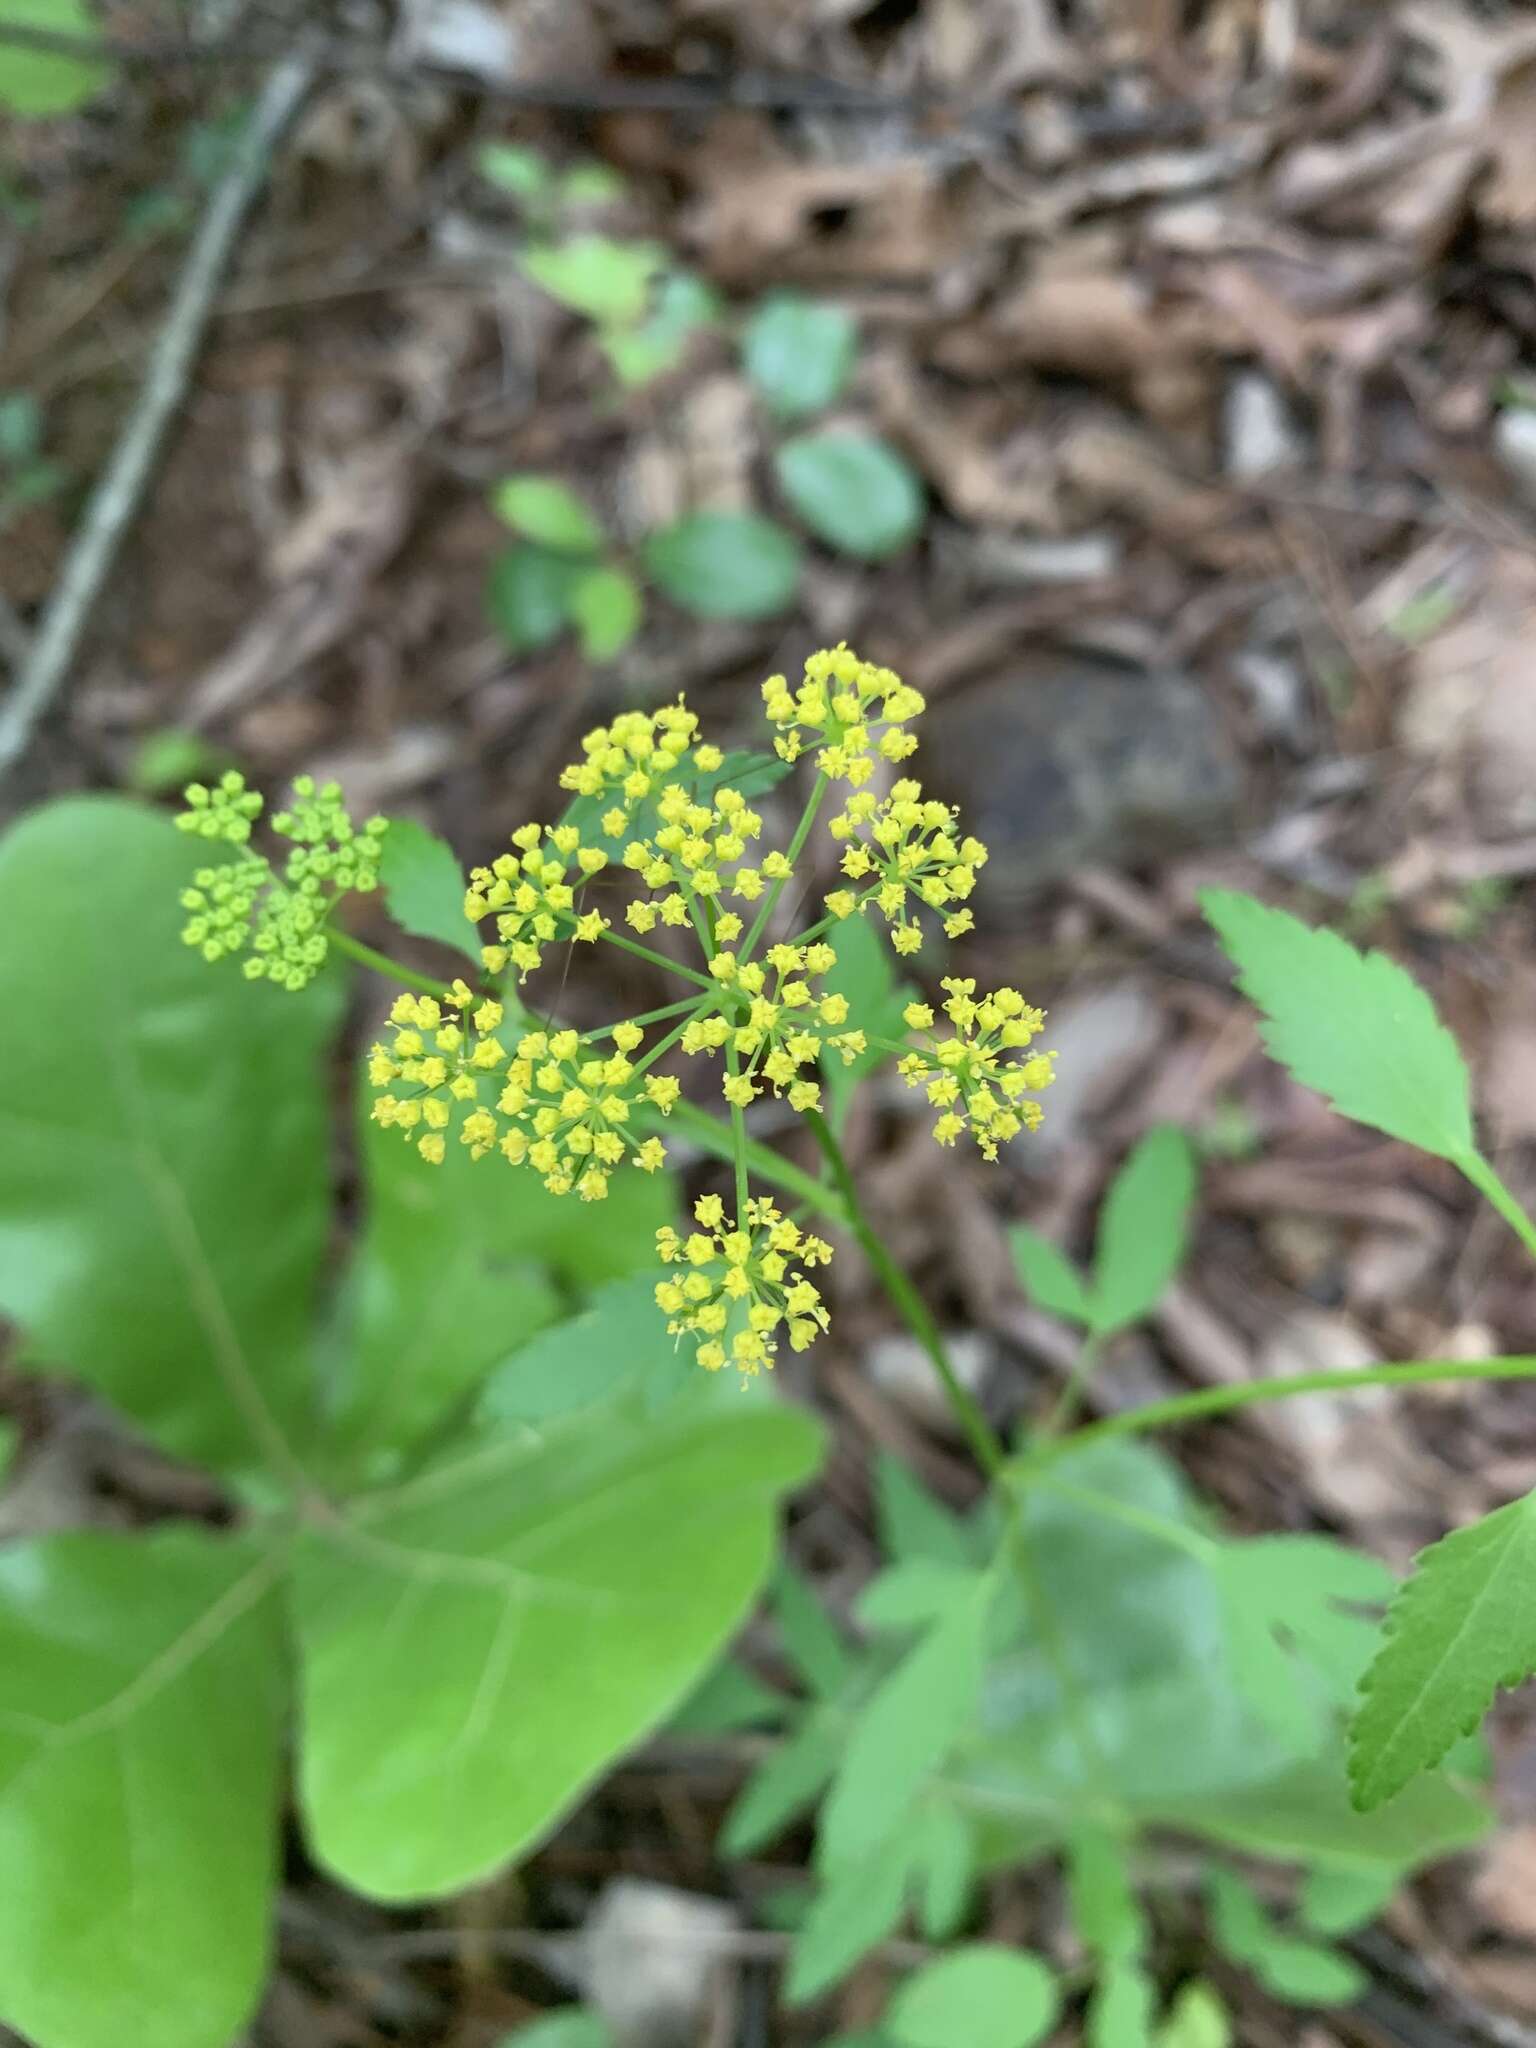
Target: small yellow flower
(746,1287)
(973,1076)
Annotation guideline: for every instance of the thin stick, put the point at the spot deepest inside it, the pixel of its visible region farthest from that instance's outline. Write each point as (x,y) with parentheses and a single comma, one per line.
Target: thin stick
(117,494)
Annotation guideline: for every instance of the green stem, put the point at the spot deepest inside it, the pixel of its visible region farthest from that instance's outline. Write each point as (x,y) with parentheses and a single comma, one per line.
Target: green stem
(1488,1183)
(688,1003)
(1183,1408)
(1072,1392)
(738,1136)
(991,1453)
(714,1136)
(365,956)
(610,937)
(802,832)
(1160,1527)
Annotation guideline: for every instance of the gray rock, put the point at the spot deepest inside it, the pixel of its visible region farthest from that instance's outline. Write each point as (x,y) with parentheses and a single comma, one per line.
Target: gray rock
(1070,760)
(649,1953)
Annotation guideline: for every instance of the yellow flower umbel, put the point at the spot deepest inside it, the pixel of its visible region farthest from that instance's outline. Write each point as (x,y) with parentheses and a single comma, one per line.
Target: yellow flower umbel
(742,1286)
(246,903)
(691,853)
(638,754)
(556,1103)
(901,852)
(850,710)
(533,896)
(777,1023)
(973,1077)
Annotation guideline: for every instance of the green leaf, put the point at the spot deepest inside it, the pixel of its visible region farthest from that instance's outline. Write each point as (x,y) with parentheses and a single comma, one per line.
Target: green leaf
(799,353)
(853,1912)
(912,1720)
(1284,1593)
(541,509)
(1338,1899)
(811,1638)
(1048,1276)
(728,1699)
(683,305)
(434,1301)
(915,1525)
(1301,1812)
(525,173)
(983,1995)
(528,595)
(1353,1025)
(1300,1972)
(1196,2019)
(164,1205)
(786,1784)
(853,491)
(608,281)
(423,885)
(620,1342)
(1104,1906)
(1121,2008)
(562,1593)
(725,565)
(1461,1627)
(913,1594)
(606,609)
(1143,1230)
(947,1856)
(572,2027)
(141,1704)
(36,82)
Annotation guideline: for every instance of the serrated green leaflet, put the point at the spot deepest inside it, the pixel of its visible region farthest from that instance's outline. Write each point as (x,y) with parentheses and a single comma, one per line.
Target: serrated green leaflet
(615,1552)
(1463,1626)
(1353,1025)
(141,1703)
(423,885)
(163,1197)
(1143,1230)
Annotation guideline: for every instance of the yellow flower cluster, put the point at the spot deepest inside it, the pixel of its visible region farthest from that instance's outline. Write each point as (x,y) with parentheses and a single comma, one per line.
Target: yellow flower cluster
(562,1108)
(970,1076)
(743,1286)
(902,850)
(852,711)
(533,901)
(635,755)
(686,855)
(777,1022)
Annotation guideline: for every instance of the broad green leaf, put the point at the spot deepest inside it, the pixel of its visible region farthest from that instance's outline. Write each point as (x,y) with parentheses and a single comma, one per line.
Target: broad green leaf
(542,509)
(1462,1626)
(434,1299)
(1284,1593)
(574,2027)
(912,1720)
(1300,1972)
(1121,2008)
(915,1525)
(913,1594)
(1355,1026)
(725,565)
(37,82)
(164,1205)
(785,1785)
(947,1864)
(141,1709)
(619,1342)
(811,1637)
(1337,1899)
(1143,1229)
(852,1912)
(853,491)
(528,595)
(609,281)
(424,886)
(1196,2019)
(798,353)
(729,1699)
(1049,1277)
(1301,1812)
(606,609)
(1104,1905)
(480,1643)
(983,1995)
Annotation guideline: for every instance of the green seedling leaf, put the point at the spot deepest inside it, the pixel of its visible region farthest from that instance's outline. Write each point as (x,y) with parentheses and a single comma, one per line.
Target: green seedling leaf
(561,1605)
(947,1861)
(424,886)
(1196,2019)
(141,1709)
(684,304)
(1144,1230)
(608,281)
(164,1206)
(164,762)
(38,82)
(1121,2009)
(725,565)
(983,1995)
(811,1639)
(853,491)
(1338,1899)
(1104,1905)
(1049,1277)
(541,509)
(785,1785)
(1462,1626)
(1355,1026)
(912,1720)
(913,1594)
(574,2027)
(591,184)
(854,1911)
(528,595)
(729,1699)
(606,609)
(915,1525)
(1300,1972)
(522,172)
(799,353)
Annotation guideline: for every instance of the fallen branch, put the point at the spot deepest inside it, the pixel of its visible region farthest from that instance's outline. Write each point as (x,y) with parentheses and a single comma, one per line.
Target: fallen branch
(117,494)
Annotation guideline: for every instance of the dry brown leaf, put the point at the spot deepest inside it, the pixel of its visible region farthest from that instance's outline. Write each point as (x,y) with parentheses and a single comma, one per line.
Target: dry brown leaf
(984,465)
(1114,469)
